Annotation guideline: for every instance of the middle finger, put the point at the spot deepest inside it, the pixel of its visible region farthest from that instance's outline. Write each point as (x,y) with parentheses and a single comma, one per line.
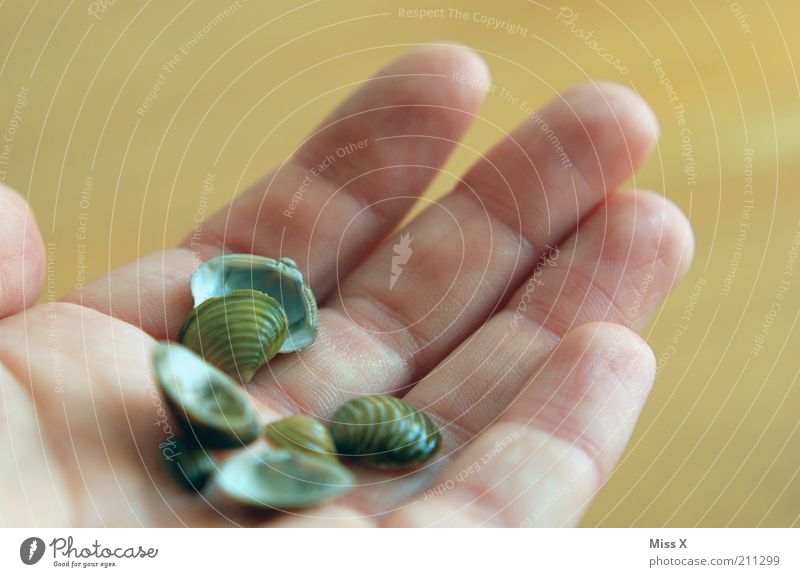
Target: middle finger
(391,321)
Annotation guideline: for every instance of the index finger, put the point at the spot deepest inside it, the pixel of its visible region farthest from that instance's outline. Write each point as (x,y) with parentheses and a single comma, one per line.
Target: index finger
(324,209)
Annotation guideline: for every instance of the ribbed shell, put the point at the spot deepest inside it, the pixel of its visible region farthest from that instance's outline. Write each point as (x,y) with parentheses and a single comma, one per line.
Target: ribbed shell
(238,333)
(384,432)
(302,433)
(281,279)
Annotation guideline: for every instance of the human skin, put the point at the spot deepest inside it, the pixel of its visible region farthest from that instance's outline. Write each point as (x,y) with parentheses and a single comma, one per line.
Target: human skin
(536,403)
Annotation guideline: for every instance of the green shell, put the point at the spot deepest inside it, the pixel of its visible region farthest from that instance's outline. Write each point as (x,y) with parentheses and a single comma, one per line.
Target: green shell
(212,407)
(384,432)
(189,464)
(281,279)
(238,332)
(302,433)
(281,479)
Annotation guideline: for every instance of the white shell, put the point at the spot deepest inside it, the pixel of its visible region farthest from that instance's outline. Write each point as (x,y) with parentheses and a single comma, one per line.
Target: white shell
(281,478)
(280,279)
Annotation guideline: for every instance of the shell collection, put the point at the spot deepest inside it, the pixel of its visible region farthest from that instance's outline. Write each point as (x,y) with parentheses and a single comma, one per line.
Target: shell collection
(247,309)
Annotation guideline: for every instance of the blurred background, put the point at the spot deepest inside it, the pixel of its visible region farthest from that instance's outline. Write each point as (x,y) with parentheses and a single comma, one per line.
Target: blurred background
(111,179)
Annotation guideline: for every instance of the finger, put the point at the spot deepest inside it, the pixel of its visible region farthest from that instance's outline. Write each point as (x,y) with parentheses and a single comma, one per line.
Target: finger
(85,391)
(101,419)
(632,250)
(324,218)
(389,329)
(151,293)
(22,257)
(29,481)
(618,267)
(552,450)
(357,175)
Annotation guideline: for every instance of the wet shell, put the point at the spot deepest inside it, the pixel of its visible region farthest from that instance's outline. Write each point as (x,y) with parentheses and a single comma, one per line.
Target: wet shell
(281,479)
(384,432)
(214,410)
(302,433)
(189,464)
(280,279)
(238,332)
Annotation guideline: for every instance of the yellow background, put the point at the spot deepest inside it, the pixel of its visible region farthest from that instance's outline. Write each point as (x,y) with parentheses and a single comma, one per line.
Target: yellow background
(718,442)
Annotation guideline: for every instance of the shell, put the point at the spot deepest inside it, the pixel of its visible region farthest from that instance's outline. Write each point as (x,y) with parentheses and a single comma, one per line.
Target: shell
(238,332)
(384,432)
(302,433)
(189,464)
(281,479)
(213,409)
(280,279)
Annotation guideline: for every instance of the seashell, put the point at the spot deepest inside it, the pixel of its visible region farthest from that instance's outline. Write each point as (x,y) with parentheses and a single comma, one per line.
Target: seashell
(280,279)
(189,464)
(213,408)
(238,332)
(281,479)
(384,432)
(302,433)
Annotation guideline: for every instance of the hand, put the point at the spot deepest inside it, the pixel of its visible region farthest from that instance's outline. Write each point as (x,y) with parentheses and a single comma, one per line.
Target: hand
(532,372)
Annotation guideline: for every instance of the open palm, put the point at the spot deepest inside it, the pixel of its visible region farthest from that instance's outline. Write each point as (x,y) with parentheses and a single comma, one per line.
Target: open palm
(504,310)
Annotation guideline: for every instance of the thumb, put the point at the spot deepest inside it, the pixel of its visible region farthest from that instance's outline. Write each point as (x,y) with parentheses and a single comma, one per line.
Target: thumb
(22,258)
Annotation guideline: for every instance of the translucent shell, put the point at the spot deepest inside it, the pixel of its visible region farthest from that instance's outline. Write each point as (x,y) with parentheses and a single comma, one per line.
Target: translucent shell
(190,464)
(302,433)
(281,479)
(280,279)
(238,332)
(213,409)
(384,432)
